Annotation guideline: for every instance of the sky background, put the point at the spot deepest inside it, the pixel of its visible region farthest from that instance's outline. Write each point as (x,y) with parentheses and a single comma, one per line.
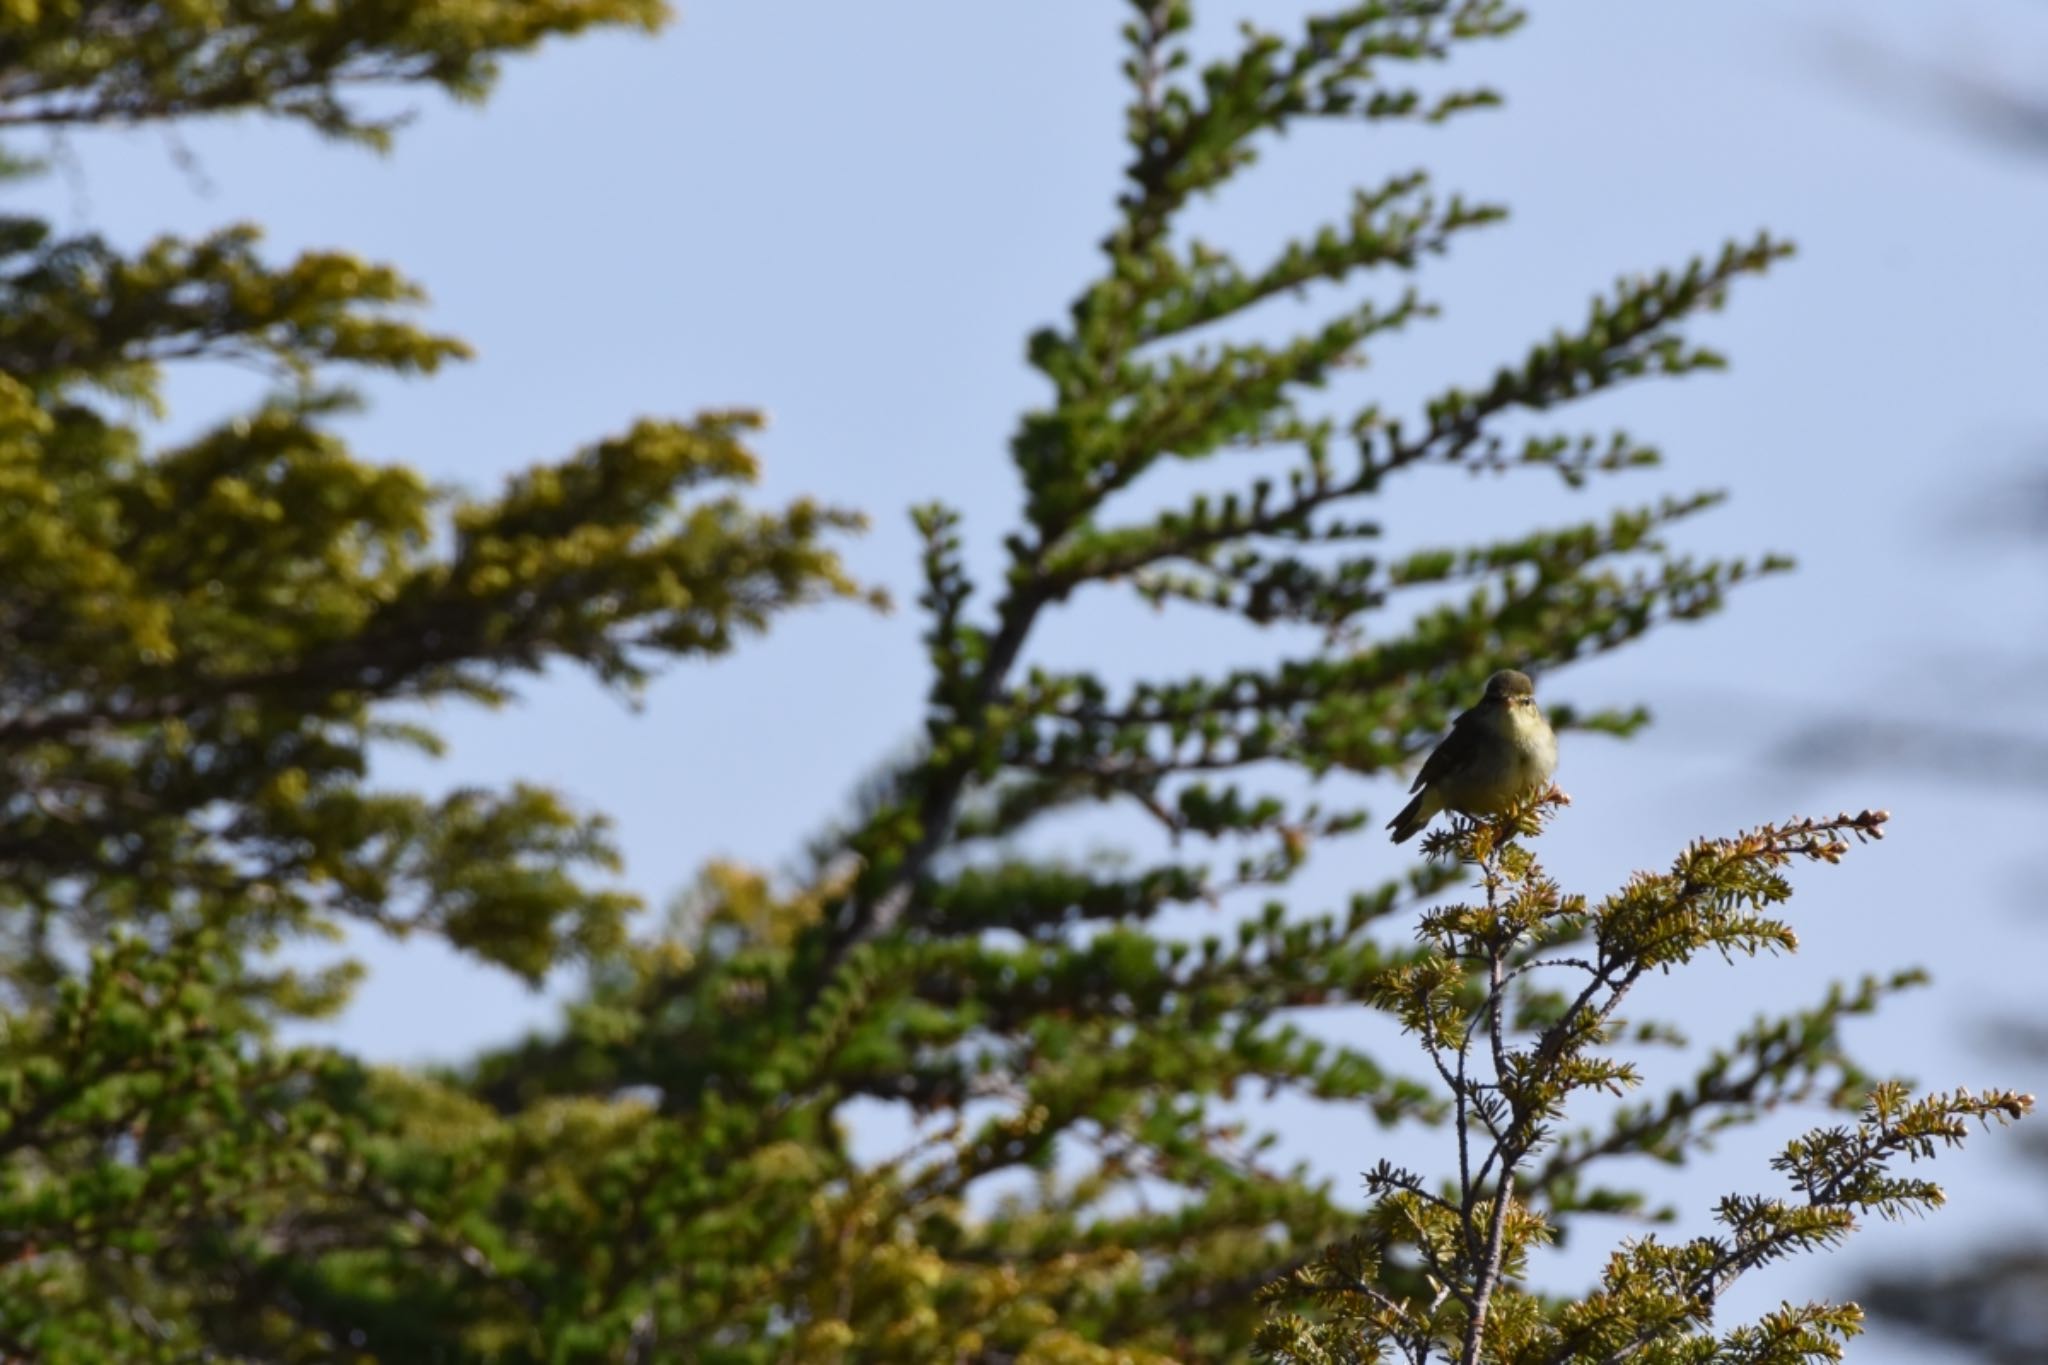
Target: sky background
(852,216)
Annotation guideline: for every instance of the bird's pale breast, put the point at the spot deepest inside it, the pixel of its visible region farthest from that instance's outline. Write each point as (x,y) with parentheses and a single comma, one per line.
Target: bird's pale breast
(1519,757)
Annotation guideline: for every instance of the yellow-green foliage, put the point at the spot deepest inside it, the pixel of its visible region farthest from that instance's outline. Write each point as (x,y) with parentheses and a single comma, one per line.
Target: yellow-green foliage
(215,625)
(1515,1000)
(106,61)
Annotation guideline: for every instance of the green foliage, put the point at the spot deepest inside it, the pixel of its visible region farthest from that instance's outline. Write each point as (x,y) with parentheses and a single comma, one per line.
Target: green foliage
(141,1130)
(204,642)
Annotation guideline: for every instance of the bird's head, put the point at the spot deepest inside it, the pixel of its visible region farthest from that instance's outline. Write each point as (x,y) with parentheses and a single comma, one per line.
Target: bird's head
(1510,688)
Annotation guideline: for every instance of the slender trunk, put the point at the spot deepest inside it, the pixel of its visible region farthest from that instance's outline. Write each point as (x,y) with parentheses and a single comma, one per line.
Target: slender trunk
(1489,1269)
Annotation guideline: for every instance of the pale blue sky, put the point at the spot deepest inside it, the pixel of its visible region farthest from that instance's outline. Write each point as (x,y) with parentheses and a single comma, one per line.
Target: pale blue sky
(852,216)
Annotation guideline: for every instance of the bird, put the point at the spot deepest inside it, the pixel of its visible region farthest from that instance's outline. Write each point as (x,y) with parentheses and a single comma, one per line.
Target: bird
(1497,753)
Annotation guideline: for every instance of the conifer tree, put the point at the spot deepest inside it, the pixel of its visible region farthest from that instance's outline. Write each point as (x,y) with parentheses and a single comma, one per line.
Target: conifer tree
(1515,999)
(203,642)
(199,645)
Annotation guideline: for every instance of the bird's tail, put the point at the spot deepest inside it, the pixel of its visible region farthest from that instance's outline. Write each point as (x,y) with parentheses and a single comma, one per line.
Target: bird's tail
(1414,816)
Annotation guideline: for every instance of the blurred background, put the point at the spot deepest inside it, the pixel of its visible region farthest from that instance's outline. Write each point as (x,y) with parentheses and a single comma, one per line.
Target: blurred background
(853,216)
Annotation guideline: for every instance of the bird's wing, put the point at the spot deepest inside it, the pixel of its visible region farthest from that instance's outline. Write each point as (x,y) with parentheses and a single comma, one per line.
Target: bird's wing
(1448,753)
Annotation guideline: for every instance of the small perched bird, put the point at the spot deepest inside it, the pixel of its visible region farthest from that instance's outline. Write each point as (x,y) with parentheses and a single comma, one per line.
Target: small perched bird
(1497,753)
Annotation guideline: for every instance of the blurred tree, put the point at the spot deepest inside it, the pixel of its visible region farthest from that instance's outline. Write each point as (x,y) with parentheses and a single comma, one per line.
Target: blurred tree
(1987,1304)
(203,641)
(1994,110)
(198,646)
